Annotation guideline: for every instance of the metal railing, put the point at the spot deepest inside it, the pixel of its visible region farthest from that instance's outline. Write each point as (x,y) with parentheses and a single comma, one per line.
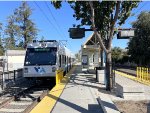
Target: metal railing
(10,76)
(143,74)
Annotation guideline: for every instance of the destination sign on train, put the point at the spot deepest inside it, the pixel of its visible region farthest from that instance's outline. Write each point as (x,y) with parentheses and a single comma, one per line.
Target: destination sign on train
(42,49)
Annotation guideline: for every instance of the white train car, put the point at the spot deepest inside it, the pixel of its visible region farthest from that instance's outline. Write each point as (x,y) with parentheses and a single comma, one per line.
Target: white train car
(43,58)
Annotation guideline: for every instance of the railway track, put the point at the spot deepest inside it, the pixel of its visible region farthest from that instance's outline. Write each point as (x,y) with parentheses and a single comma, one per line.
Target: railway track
(10,91)
(23,101)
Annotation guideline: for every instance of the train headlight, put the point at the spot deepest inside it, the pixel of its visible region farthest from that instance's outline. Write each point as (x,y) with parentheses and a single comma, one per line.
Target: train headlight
(53,69)
(25,70)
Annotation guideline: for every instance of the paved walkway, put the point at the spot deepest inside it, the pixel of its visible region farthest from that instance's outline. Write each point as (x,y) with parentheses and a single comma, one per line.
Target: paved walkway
(83,94)
(80,94)
(134,87)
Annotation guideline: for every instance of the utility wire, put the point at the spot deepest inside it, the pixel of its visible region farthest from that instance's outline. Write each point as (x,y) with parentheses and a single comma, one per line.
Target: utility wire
(141,7)
(138,10)
(56,21)
(53,17)
(47,18)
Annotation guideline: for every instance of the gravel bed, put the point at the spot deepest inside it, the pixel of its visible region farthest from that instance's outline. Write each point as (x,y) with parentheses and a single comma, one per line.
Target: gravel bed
(16,106)
(133,106)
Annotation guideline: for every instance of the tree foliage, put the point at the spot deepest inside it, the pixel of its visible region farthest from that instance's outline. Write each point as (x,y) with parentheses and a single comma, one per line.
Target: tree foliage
(102,17)
(1,44)
(106,15)
(27,29)
(20,29)
(120,55)
(117,54)
(1,29)
(11,32)
(139,46)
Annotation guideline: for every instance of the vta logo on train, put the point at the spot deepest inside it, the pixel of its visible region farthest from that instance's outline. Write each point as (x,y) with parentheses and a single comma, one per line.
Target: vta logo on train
(39,70)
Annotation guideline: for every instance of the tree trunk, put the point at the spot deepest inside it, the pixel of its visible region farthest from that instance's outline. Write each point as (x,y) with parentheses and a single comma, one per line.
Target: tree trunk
(108,71)
(25,41)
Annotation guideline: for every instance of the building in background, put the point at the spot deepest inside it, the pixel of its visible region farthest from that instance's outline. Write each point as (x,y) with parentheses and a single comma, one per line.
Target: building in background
(91,53)
(14,59)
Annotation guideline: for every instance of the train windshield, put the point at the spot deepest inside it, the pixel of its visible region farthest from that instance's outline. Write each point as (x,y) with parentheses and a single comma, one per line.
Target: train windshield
(40,56)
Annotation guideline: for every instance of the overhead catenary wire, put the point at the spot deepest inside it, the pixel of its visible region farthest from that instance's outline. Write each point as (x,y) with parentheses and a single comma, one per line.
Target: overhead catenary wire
(137,11)
(56,22)
(47,18)
(141,7)
(53,17)
(50,21)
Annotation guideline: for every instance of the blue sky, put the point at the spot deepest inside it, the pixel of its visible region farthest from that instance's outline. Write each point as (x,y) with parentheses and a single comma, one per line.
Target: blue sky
(59,31)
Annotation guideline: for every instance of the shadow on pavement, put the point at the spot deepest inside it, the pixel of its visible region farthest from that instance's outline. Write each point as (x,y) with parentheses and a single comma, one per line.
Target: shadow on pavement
(75,106)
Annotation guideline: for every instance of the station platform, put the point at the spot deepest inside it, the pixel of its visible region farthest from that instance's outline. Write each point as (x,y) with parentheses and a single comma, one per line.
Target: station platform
(80,93)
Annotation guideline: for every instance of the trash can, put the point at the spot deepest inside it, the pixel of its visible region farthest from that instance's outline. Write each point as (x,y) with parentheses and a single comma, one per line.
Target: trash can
(100,74)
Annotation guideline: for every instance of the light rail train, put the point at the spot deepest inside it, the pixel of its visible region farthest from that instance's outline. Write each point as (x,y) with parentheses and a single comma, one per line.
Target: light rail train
(43,58)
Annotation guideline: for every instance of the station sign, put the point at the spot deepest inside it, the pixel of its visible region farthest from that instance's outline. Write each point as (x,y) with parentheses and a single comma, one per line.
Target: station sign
(125,34)
(77,33)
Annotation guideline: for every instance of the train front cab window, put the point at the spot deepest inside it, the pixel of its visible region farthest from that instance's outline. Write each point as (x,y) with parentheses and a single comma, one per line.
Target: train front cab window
(40,56)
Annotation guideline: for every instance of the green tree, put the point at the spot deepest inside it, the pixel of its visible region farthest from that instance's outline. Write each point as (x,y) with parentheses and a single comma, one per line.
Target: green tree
(1,28)
(117,54)
(102,17)
(20,45)
(1,44)
(27,29)
(120,55)
(78,56)
(139,46)
(11,33)
(1,48)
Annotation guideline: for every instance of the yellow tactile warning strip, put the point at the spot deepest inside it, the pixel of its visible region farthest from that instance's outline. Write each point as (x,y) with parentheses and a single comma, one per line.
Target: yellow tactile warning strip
(49,101)
(126,75)
(133,78)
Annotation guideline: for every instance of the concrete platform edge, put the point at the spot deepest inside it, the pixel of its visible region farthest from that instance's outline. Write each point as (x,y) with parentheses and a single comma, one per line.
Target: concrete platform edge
(132,78)
(48,102)
(101,104)
(103,99)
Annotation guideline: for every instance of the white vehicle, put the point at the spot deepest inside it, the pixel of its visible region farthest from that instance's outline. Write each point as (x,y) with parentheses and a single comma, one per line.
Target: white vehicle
(43,58)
